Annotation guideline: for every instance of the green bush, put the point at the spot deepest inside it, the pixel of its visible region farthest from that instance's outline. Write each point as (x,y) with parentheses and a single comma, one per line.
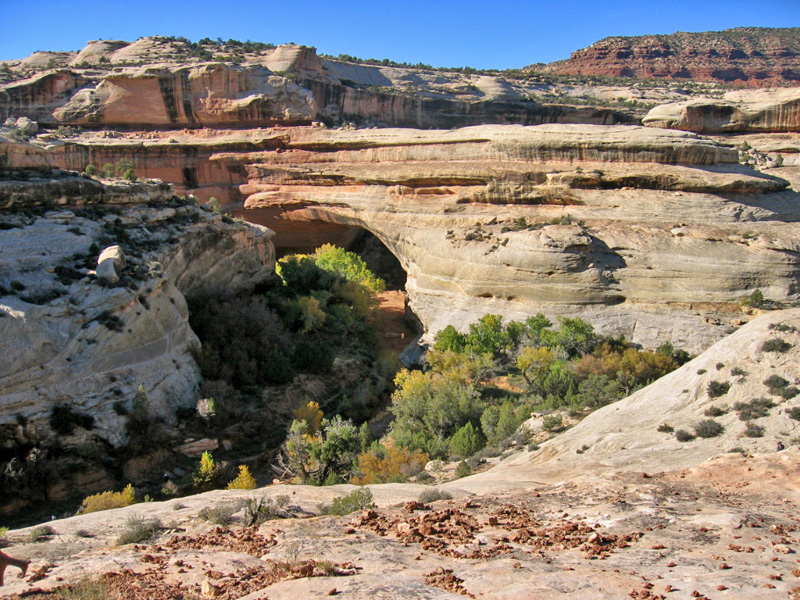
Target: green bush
(716,389)
(775,383)
(755,409)
(794,412)
(708,428)
(683,436)
(359,499)
(462,470)
(665,428)
(552,422)
(467,441)
(775,345)
(754,431)
(714,411)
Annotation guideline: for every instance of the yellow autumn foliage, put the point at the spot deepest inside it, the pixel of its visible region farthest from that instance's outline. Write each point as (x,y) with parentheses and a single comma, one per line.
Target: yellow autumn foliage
(244,480)
(107,500)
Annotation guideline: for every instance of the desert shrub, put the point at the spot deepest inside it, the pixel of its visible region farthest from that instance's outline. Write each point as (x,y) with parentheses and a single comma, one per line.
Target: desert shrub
(783,328)
(389,465)
(665,428)
(90,170)
(244,480)
(789,392)
(467,441)
(108,500)
(138,529)
(794,412)
(86,589)
(754,409)
(754,431)
(756,299)
(462,470)
(63,420)
(434,494)
(260,510)
(775,383)
(708,428)
(42,533)
(449,339)
(739,372)
(221,515)
(312,415)
(325,458)
(359,499)
(716,389)
(775,345)
(714,411)
(244,342)
(552,422)
(684,436)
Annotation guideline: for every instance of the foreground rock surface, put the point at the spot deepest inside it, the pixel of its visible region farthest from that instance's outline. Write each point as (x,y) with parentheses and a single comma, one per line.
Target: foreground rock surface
(700,522)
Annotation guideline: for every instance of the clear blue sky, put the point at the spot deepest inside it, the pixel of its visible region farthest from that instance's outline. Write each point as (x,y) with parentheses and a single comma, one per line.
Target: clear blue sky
(482,34)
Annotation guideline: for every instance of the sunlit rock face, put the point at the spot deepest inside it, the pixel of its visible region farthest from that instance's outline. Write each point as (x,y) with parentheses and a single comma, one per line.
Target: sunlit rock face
(741,111)
(653,233)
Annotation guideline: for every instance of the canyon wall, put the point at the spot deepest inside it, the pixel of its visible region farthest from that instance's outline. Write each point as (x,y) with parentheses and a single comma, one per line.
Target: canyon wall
(73,338)
(151,83)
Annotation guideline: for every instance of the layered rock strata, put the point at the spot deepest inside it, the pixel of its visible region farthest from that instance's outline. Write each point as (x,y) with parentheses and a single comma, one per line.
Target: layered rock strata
(762,111)
(152,83)
(752,56)
(653,233)
(88,346)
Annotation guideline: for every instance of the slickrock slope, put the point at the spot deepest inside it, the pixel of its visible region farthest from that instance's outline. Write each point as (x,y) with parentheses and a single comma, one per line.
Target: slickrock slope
(70,337)
(753,56)
(624,436)
(653,233)
(767,111)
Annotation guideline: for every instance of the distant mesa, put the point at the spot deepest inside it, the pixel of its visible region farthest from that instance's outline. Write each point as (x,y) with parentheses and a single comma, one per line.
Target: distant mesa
(749,56)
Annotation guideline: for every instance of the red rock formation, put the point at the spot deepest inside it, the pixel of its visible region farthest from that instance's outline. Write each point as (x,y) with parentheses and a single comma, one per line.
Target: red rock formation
(753,56)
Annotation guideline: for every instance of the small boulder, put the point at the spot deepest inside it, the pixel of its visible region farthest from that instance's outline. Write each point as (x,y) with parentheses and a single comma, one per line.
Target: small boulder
(110,264)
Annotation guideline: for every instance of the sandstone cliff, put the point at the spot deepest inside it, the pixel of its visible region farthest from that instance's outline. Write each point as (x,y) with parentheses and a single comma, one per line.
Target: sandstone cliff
(753,56)
(73,340)
(162,82)
(775,110)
